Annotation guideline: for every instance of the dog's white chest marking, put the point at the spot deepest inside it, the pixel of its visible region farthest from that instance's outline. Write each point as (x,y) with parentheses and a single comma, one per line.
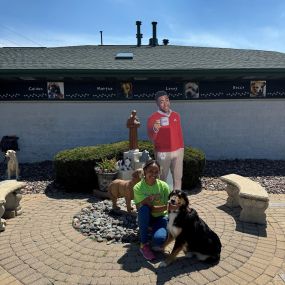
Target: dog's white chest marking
(173,230)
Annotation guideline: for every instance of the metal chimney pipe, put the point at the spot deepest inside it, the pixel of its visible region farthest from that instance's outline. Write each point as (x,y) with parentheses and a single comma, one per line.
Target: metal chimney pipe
(101,32)
(139,35)
(153,41)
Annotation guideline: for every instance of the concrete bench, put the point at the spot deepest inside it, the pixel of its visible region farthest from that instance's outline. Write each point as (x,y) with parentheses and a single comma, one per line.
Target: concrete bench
(249,195)
(10,197)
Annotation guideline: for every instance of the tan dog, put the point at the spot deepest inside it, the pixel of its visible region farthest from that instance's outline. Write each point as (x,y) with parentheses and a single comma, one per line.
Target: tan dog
(12,164)
(124,188)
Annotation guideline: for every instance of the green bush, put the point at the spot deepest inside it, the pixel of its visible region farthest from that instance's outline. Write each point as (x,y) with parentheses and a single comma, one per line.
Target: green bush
(74,168)
(193,166)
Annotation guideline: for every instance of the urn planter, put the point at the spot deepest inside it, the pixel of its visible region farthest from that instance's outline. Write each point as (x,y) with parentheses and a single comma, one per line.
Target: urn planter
(104,179)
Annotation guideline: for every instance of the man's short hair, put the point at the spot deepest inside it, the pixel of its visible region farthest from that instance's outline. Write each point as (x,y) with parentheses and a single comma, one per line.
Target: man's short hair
(159,94)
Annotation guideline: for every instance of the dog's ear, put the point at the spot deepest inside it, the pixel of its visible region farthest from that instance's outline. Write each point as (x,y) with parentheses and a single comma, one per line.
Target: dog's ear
(185,198)
(170,194)
(173,193)
(138,173)
(135,174)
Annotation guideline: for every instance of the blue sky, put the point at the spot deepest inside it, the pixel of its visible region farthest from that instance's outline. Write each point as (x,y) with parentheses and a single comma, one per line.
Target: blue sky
(246,24)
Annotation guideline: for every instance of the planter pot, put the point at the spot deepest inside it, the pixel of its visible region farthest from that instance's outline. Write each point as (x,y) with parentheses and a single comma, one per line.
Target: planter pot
(104,179)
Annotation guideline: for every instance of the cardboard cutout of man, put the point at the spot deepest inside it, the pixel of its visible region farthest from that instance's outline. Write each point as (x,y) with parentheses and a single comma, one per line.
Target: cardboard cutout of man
(165,131)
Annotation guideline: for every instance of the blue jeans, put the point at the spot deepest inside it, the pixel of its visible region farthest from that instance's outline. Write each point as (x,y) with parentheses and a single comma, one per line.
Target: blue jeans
(158,225)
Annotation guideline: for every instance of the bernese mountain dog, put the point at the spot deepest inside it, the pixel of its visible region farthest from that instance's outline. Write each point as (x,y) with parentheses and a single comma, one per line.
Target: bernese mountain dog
(190,232)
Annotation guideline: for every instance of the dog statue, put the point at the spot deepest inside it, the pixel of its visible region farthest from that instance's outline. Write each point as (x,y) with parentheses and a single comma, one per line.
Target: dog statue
(145,157)
(124,188)
(12,164)
(128,163)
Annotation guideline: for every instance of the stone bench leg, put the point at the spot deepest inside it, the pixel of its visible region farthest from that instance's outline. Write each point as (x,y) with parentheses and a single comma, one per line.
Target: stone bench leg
(13,207)
(253,211)
(233,196)
(2,221)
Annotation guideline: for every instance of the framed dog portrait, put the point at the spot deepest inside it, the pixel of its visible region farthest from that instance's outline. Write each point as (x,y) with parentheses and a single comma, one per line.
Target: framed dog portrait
(191,90)
(127,90)
(258,88)
(55,90)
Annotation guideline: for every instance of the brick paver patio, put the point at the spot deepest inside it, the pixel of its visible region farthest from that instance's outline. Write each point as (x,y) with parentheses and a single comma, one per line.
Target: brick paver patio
(41,247)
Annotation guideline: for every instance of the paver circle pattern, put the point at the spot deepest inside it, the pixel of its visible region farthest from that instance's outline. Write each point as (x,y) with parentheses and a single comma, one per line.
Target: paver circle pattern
(42,247)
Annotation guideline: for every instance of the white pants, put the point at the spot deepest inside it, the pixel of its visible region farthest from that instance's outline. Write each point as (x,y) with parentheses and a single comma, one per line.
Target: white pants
(174,161)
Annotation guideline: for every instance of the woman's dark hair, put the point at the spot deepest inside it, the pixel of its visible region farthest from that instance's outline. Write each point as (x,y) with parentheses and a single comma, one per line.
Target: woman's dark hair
(149,163)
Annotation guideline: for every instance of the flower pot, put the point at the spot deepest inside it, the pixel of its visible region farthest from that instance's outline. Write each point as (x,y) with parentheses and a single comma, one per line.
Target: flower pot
(104,179)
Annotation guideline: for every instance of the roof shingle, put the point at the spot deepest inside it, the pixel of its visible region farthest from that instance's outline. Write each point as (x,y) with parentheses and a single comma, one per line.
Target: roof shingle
(145,58)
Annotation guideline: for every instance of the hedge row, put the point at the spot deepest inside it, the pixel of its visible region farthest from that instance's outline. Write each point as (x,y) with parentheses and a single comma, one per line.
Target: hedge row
(74,168)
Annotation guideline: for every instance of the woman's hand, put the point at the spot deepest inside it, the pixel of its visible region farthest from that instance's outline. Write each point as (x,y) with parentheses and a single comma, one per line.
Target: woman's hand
(171,207)
(149,200)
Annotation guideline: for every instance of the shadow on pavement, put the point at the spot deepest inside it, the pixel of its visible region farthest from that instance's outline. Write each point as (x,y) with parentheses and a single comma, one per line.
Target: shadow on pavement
(132,261)
(248,228)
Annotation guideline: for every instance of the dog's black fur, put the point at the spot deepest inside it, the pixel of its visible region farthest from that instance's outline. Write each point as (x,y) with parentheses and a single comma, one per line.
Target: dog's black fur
(191,233)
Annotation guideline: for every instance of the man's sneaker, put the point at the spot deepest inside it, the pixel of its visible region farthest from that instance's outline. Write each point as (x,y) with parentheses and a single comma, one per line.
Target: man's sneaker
(146,252)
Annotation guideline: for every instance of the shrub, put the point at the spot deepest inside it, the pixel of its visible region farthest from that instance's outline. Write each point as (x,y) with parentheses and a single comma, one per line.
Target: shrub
(74,168)
(193,166)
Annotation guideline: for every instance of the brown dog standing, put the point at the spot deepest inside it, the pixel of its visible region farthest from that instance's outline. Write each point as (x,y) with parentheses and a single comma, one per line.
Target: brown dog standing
(124,188)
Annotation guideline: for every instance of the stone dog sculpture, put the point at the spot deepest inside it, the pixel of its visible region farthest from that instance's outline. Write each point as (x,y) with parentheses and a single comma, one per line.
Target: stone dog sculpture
(12,164)
(124,188)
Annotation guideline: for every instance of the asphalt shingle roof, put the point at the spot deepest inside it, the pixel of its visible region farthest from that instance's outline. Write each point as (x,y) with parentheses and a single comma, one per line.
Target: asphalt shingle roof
(145,58)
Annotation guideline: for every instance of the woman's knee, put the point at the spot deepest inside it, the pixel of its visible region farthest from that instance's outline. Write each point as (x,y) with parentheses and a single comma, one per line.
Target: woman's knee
(144,210)
(160,236)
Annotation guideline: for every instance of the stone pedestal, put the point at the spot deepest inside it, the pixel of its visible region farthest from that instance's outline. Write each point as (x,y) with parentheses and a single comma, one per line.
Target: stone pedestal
(2,221)
(253,211)
(134,155)
(233,196)
(12,206)
(139,165)
(2,225)
(125,174)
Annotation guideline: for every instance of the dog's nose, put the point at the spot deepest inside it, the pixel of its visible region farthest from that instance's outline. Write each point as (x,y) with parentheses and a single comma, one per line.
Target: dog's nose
(172,201)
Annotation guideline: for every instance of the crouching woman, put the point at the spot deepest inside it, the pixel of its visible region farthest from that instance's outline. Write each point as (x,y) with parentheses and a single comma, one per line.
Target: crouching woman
(151,197)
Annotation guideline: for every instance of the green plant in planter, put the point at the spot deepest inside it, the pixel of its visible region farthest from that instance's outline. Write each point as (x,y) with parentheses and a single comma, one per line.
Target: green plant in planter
(106,171)
(106,166)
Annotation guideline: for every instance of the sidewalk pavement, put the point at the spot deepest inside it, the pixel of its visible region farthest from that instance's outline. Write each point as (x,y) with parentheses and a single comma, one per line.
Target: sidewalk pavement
(42,247)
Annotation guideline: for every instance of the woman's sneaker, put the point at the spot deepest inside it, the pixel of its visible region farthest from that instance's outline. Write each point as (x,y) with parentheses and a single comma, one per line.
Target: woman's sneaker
(146,252)
(158,248)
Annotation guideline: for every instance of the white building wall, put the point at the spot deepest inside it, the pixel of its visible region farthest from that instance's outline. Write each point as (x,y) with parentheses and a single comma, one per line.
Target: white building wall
(223,129)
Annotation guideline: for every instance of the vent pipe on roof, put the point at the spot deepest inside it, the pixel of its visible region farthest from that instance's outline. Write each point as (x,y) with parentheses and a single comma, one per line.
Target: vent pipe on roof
(139,35)
(101,32)
(165,42)
(153,41)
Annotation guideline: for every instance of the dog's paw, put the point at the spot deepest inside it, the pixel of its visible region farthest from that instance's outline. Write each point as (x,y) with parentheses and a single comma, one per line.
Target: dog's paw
(162,264)
(189,254)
